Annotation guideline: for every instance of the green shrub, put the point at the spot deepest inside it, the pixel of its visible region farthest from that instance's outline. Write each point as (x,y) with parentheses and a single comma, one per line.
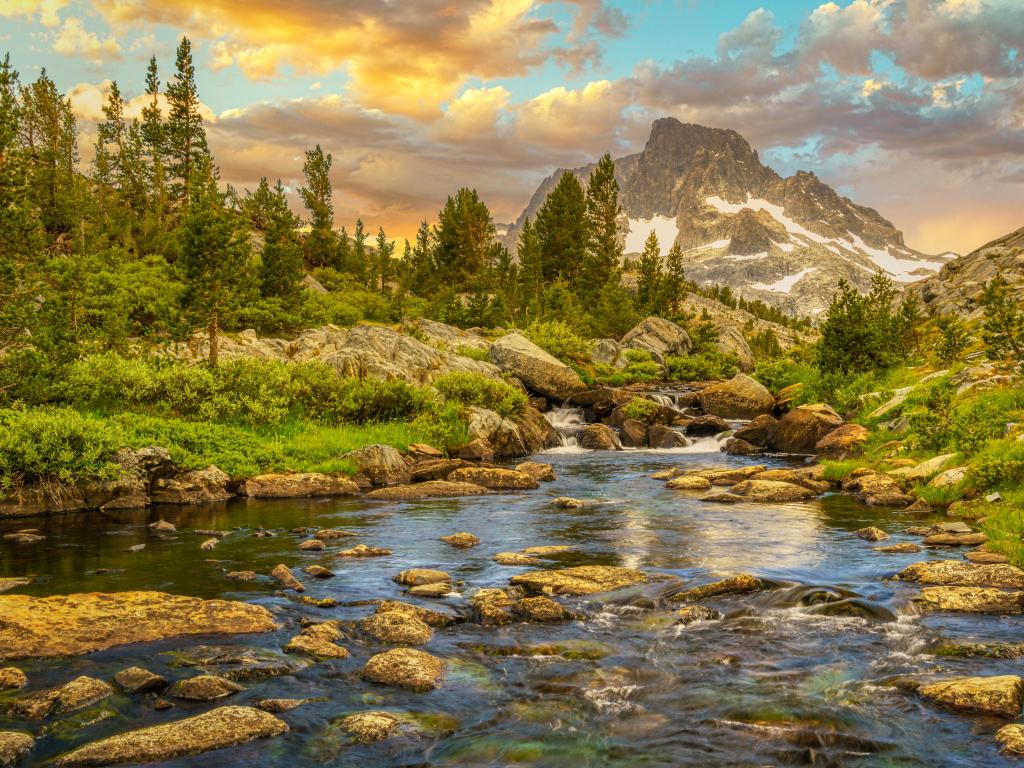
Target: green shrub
(54,445)
(641,366)
(702,367)
(641,409)
(443,427)
(557,338)
(999,465)
(473,353)
(472,389)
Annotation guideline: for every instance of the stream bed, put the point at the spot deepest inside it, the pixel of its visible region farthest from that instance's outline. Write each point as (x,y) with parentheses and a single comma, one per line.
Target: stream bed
(777,682)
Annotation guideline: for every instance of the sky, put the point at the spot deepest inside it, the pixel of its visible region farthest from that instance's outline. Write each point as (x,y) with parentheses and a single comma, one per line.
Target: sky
(912,107)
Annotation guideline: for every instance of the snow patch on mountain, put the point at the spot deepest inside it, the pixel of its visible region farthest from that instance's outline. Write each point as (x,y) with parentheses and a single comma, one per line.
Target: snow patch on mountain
(664,227)
(785,284)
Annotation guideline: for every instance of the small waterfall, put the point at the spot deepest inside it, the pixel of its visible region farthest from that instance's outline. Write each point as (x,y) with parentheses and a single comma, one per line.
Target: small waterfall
(667,400)
(567,421)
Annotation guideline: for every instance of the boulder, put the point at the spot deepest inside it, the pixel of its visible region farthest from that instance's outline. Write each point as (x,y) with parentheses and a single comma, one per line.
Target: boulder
(955,539)
(318,641)
(139,680)
(949,477)
(78,694)
(736,447)
(634,433)
(543,373)
(665,437)
(970,600)
(925,469)
(12,678)
(608,352)
(461,540)
(297,485)
(427,490)
(771,491)
(363,550)
(198,486)
(544,473)
(801,428)
(598,437)
(759,431)
(842,442)
(217,729)
(475,450)
(739,398)
(959,573)
(427,616)
(501,434)
(204,688)
(397,628)
(383,465)
(416,576)
(581,580)
(405,668)
(537,433)
(494,478)
(13,745)
(689,483)
(871,533)
(1001,695)
(658,336)
(368,727)
(877,489)
(436,469)
(69,625)
(541,608)
(739,584)
(284,574)
(707,425)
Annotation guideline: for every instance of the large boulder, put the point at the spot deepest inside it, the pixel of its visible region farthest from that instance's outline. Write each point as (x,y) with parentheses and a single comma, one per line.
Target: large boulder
(770,491)
(760,431)
(1001,696)
(495,478)
(843,441)
(598,437)
(739,398)
(217,729)
(801,428)
(197,486)
(14,744)
(959,573)
(69,625)
(138,468)
(543,373)
(297,485)
(405,668)
(382,464)
(581,580)
(658,336)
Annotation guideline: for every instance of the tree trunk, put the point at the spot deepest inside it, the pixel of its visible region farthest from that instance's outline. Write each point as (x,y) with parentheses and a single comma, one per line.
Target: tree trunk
(213,331)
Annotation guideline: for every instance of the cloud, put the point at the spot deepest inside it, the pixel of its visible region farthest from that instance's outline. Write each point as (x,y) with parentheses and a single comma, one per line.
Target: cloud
(47,10)
(87,100)
(73,39)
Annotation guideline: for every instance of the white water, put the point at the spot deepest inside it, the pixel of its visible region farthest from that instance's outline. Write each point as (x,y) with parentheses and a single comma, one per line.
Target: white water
(567,421)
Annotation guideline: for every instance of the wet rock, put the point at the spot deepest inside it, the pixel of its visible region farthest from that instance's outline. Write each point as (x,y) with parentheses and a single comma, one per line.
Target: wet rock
(12,678)
(843,442)
(494,478)
(736,447)
(707,425)
(476,450)
(461,540)
(198,486)
(209,544)
(739,398)
(693,613)
(959,573)
(662,437)
(759,431)
(543,373)
(297,485)
(428,490)
(78,694)
(739,584)
(13,745)
(161,704)
(801,428)
(547,550)
(955,539)
(1011,739)
(318,641)
(689,483)
(1001,696)
(22,537)
(989,558)
(567,502)
(368,727)
(427,616)
(877,489)
(7,584)
(405,668)
(598,437)
(437,469)
(204,688)
(397,628)
(634,433)
(162,526)
(383,464)
(279,705)
(493,606)
(659,337)
(362,550)
(241,575)
(318,572)
(415,576)
(234,662)
(971,600)
(802,477)
(284,575)
(68,625)
(430,590)
(539,471)
(330,534)
(139,680)
(722,498)
(541,609)
(217,729)
(871,533)
(513,559)
(901,548)
(313,545)
(730,475)
(581,580)
(984,650)
(771,491)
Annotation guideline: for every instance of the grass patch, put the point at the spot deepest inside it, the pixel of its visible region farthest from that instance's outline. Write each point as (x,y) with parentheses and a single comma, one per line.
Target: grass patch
(836,471)
(941,497)
(1005,527)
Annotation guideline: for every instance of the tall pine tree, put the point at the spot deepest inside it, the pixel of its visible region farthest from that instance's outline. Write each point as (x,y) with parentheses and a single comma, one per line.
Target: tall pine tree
(562,230)
(317,195)
(604,243)
(648,281)
(187,150)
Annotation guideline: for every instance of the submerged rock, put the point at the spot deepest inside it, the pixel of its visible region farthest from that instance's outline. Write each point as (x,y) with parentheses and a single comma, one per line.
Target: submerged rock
(567,502)
(461,540)
(971,600)
(428,490)
(204,688)
(12,678)
(217,729)
(68,625)
(7,584)
(14,744)
(405,668)
(367,727)
(362,550)
(741,583)
(1002,695)
(901,548)
(279,705)
(959,573)
(139,680)
(581,580)
(1011,739)
(693,613)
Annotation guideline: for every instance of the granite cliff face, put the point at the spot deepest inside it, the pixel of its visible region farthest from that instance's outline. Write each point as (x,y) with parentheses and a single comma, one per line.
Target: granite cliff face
(786,241)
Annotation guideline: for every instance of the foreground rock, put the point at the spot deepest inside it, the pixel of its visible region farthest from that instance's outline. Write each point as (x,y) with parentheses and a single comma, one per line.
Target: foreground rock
(383,465)
(494,478)
(368,727)
(739,398)
(12,678)
(296,486)
(428,490)
(581,580)
(68,625)
(971,600)
(405,668)
(198,486)
(545,374)
(1002,696)
(959,573)
(598,437)
(843,442)
(800,430)
(81,692)
(14,744)
(1011,739)
(397,628)
(220,728)
(284,574)
(461,540)
(734,585)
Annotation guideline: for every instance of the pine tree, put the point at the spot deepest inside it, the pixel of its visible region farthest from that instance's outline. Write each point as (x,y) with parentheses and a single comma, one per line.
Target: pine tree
(648,283)
(531,269)
(185,135)
(613,314)
(420,268)
(360,258)
(604,243)
(673,283)
(465,246)
(321,246)
(562,230)
(214,258)
(1003,327)
(385,250)
(267,211)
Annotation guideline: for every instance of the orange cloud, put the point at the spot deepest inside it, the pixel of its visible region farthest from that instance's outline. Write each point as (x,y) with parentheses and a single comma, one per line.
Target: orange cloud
(48,10)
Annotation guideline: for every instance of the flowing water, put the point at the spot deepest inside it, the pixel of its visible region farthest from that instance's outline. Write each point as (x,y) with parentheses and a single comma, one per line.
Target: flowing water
(780,681)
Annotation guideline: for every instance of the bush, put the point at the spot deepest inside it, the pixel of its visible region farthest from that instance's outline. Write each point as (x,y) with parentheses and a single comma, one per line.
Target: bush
(472,389)
(702,367)
(641,409)
(558,339)
(473,353)
(54,445)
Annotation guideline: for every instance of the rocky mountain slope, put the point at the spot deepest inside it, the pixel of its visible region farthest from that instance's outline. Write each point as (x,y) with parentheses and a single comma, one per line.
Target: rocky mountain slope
(786,241)
(958,286)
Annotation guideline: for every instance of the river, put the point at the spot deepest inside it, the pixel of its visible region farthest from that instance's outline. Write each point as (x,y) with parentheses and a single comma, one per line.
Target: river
(775,683)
